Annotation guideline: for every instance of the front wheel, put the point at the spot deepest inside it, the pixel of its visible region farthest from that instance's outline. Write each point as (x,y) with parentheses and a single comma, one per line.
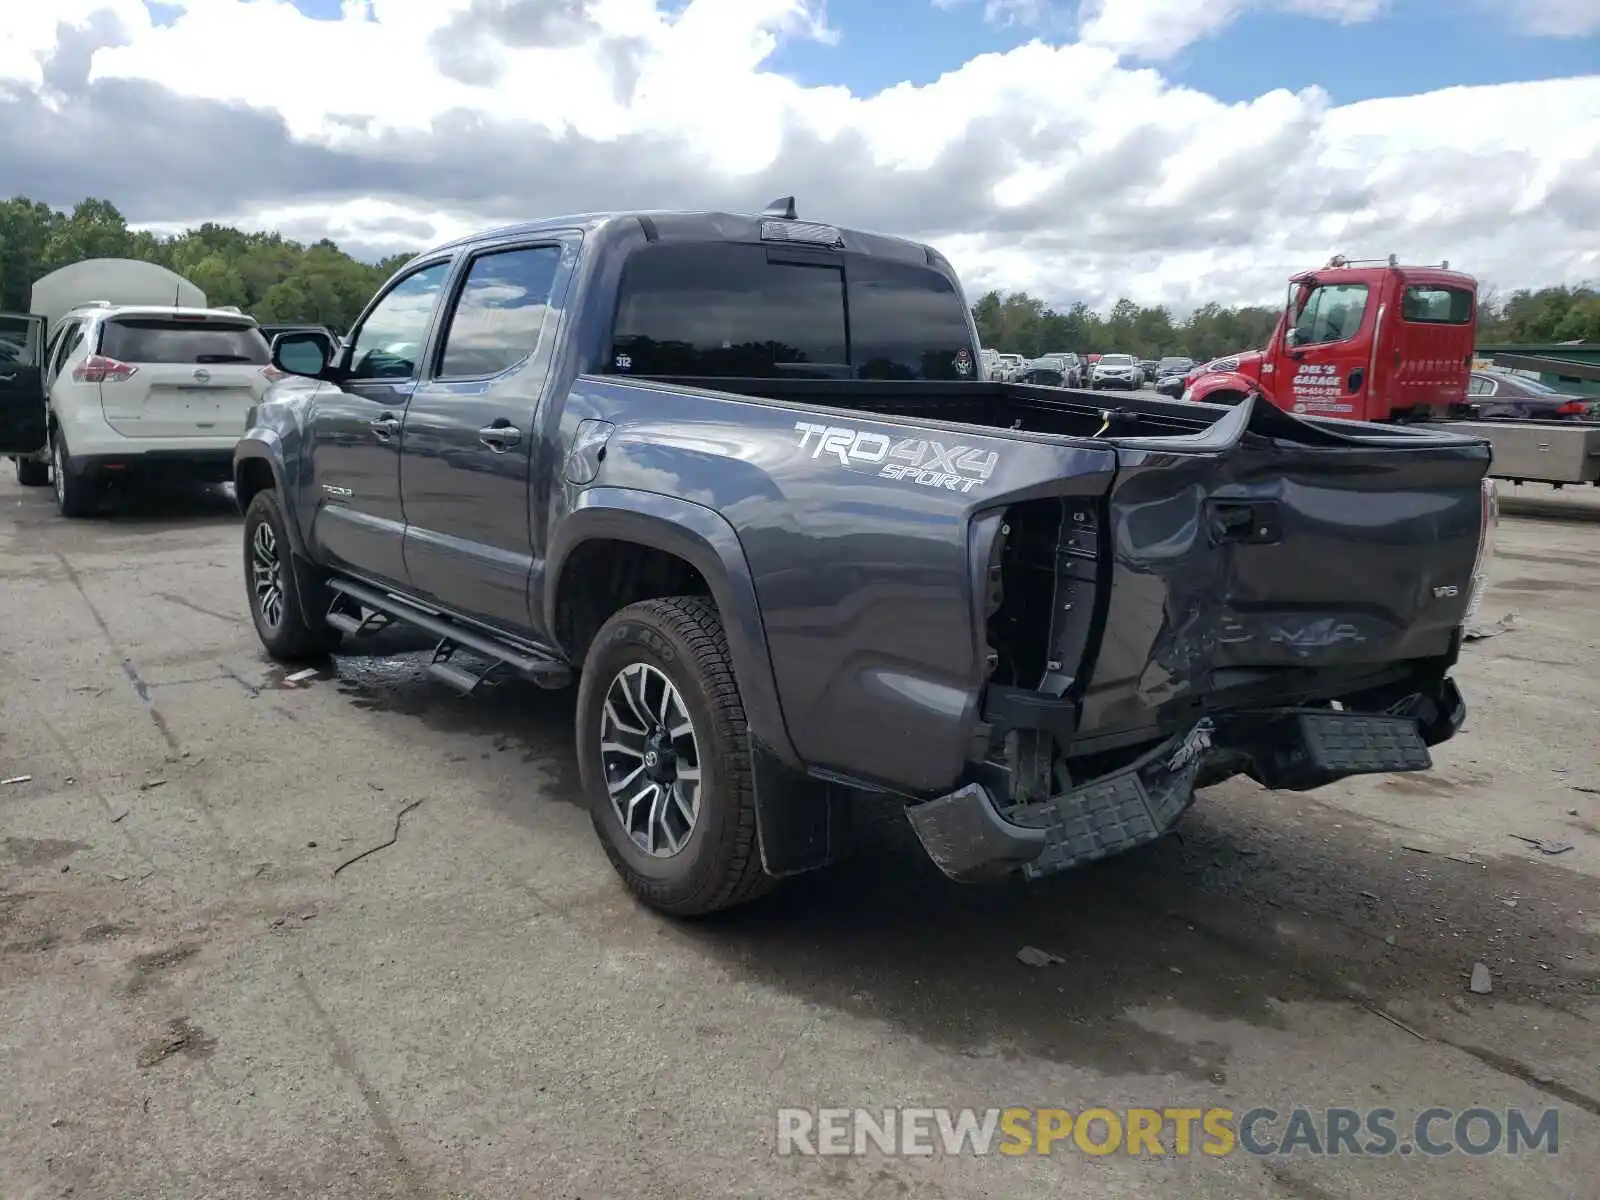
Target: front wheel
(663,754)
(274,587)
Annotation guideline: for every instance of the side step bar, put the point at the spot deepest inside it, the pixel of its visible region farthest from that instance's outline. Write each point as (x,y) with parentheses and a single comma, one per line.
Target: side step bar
(547,672)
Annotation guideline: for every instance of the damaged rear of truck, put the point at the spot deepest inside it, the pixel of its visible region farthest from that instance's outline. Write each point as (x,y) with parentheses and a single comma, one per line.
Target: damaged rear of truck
(1269,597)
(1048,634)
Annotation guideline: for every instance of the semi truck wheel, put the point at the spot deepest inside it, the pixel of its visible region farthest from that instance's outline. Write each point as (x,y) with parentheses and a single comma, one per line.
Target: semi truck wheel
(663,755)
(274,588)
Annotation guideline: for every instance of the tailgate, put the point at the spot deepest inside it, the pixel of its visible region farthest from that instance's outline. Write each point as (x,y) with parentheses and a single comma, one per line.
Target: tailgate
(1268,547)
(180,376)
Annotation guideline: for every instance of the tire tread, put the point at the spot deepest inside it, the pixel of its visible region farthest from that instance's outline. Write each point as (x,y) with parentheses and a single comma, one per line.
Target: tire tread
(695,622)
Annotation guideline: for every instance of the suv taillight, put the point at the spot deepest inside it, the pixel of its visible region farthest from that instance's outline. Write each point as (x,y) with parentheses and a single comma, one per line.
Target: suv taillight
(1486,529)
(97,368)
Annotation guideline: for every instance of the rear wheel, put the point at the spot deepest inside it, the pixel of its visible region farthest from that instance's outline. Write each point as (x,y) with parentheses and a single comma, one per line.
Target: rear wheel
(274,587)
(32,472)
(663,753)
(76,494)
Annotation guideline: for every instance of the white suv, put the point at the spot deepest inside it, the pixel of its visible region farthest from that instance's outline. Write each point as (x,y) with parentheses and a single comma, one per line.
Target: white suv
(133,391)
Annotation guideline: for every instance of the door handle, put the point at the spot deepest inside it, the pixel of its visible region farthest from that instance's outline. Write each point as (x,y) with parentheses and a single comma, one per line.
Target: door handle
(385,427)
(500,437)
(11,378)
(1354,381)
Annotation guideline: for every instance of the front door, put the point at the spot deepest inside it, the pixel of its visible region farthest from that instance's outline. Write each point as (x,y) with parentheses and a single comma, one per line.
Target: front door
(22,404)
(1328,351)
(471,435)
(352,480)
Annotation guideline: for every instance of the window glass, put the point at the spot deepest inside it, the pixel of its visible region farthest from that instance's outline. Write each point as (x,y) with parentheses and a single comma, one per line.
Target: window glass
(389,342)
(724,310)
(500,312)
(180,340)
(1332,313)
(905,322)
(19,342)
(1437,305)
(1479,387)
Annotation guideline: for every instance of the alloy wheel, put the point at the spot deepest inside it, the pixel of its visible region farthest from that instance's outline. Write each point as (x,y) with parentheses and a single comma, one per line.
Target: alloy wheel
(266,575)
(650,757)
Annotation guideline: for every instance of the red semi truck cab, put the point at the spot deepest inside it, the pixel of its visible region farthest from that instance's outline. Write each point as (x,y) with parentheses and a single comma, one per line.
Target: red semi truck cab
(1363,342)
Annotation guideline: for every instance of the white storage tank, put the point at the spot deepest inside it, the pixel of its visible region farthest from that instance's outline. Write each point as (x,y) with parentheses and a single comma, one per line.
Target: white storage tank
(114,280)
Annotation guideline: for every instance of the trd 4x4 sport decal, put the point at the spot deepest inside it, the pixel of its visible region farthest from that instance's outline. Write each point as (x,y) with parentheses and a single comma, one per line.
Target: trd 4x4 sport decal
(922,461)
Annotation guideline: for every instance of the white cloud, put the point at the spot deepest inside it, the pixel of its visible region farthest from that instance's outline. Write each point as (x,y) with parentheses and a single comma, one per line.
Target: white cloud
(1158,29)
(1056,168)
(1553,18)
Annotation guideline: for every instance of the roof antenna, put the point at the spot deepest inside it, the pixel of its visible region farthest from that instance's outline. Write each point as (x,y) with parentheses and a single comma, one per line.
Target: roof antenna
(782,208)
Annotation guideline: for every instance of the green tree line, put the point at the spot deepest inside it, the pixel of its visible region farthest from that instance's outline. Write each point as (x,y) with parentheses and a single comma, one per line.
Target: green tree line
(1018,323)
(279,280)
(264,274)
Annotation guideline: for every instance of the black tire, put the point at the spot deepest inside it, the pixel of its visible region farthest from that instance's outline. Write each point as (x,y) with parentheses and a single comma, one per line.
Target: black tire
(719,863)
(32,473)
(76,493)
(280,621)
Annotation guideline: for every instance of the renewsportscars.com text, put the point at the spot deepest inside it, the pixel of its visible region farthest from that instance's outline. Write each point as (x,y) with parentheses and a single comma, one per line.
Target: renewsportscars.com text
(1180,1132)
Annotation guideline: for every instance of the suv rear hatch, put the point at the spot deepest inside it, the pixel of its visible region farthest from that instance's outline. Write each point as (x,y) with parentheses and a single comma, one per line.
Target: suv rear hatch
(178,375)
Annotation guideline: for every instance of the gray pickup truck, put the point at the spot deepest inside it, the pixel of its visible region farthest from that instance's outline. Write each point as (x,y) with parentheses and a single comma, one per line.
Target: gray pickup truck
(740,477)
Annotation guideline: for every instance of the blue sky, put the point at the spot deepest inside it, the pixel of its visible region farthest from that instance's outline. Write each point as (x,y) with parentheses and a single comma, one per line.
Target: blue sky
(1420,45)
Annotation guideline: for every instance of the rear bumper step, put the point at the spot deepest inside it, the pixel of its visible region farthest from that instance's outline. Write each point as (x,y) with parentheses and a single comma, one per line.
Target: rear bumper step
(969,837)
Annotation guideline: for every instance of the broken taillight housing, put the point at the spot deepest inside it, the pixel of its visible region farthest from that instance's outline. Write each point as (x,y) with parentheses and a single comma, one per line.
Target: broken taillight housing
(97,368)
(1490,500)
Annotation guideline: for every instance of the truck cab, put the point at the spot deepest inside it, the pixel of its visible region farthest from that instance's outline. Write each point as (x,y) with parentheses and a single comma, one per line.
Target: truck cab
(1362,342)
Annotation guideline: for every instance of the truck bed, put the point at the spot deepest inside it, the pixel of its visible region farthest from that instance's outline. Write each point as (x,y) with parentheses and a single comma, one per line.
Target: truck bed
(1064,412)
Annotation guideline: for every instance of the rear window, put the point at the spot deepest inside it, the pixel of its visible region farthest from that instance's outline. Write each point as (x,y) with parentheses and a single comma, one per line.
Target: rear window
(1437,305)
(1116,360)
(732,311)
(176,340)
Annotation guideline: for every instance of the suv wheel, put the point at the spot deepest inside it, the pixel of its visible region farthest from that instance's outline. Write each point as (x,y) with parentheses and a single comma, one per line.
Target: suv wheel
(76,495)
(663,754)
(274,587)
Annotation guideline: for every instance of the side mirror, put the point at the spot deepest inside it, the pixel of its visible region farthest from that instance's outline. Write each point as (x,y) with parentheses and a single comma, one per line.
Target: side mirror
(307,352)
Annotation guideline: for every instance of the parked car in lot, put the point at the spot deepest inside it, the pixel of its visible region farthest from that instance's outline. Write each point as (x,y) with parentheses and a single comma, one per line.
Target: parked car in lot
(271,331)
(1011,366)
(1171,375)
(123,393)
(1147,369)
(695,458)
(1072,366)
(1116,371)
(1497,394)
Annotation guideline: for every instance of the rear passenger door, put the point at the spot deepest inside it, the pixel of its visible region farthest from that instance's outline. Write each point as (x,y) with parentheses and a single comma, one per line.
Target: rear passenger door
(472,442)
(352,463)
(22,406)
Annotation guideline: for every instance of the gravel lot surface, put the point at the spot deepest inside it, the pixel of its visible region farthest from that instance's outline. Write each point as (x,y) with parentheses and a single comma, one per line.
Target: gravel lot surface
(192,1003)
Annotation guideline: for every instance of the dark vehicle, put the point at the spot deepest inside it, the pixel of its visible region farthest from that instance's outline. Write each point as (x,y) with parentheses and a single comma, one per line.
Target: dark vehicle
(1496,395)
(1171,376)
(1147,368)
(271,331)
(737,476)
(1045,376)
